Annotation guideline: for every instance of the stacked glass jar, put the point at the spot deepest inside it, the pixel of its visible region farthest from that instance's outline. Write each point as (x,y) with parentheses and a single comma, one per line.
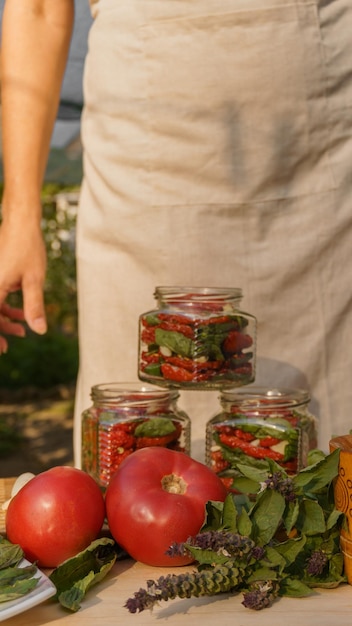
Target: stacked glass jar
(257,424)
(124,418)
(197,338)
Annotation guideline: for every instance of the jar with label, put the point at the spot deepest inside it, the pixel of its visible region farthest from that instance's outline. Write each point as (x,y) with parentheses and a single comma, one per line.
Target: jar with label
(257,424)
(126,417)
(197,338)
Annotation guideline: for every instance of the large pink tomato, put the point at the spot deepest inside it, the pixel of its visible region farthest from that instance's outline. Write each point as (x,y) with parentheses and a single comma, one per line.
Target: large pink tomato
(158,497)
(55,515)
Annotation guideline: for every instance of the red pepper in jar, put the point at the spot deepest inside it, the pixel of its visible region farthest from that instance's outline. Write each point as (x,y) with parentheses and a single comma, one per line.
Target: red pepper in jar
(268,442)
(220,319)
(148,335)
(227,482)
(218,463)
(235,342)
(182,362)
(243,435)
(177,374)
(120,438)
(116,461)
(180,374)
(192,366)
(254,451)
(175,319)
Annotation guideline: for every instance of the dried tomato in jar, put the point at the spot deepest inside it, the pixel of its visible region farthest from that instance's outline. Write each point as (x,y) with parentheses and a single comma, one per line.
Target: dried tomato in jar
(258,424)
(197,338)
(125,417)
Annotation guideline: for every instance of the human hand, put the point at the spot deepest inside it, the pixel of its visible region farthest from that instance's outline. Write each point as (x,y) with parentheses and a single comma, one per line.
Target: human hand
(22,266)
(10,319)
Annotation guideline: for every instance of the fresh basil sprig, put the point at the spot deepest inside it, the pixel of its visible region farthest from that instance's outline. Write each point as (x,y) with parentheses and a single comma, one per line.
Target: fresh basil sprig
(281,541)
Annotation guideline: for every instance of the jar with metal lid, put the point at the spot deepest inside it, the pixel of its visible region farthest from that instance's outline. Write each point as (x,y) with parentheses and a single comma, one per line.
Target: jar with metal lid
(125,417)
(257,424)
(197,338)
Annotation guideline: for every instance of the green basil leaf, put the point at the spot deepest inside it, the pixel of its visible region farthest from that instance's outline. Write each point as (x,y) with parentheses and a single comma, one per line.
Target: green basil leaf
(175,341)
(151,319)
(291,548)
(76,575)
(155,427)
(153,369)
(71,598)
(275,558)
(333,519)
(255,474)
(213,515)
(315,477)
(267,514)
(15,581)
(295,588)
(262,574)
(314,456)
(17,589)
(9,575)
(336,567)
(229,515)
(244,524)
(207,557)
(10,554)
(291,515)
(311,519)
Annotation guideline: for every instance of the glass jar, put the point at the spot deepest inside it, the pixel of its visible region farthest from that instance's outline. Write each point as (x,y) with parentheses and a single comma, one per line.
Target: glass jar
(258,424)
(124,418)
(197,338)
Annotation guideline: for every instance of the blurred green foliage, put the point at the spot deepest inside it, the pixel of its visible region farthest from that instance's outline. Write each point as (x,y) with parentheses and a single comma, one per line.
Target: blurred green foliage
(52,359)
(9,436)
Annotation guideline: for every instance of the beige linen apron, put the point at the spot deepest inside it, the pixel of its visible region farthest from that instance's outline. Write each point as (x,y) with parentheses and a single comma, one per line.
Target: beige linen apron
(218,152)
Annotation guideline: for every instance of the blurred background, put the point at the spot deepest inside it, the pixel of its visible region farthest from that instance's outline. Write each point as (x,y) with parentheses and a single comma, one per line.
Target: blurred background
(37,375)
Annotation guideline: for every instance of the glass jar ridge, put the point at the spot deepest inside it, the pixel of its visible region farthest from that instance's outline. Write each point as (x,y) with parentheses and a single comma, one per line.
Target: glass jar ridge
(125,417)
(197,338)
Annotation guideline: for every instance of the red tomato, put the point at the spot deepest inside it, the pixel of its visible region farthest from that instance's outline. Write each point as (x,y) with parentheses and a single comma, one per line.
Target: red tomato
(55,515)
(158,497)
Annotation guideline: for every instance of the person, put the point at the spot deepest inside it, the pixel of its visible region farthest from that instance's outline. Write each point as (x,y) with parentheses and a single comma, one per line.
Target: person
(217,144)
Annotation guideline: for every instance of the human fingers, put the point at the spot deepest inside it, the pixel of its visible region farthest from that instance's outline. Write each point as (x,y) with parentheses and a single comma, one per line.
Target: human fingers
(33,306)
(8,327)
(13,313)
(3,345)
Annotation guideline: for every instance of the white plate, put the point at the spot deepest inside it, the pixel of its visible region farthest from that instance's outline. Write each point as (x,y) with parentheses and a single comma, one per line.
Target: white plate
(44,590)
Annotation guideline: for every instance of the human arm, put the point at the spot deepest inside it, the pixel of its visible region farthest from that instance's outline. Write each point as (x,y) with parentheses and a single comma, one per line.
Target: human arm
(36,37)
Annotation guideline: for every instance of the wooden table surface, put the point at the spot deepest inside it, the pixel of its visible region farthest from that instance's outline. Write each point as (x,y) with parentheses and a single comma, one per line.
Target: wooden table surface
(104,603)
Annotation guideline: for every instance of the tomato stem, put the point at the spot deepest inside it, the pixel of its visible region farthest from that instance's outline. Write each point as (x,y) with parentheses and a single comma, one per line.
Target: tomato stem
(174,484)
